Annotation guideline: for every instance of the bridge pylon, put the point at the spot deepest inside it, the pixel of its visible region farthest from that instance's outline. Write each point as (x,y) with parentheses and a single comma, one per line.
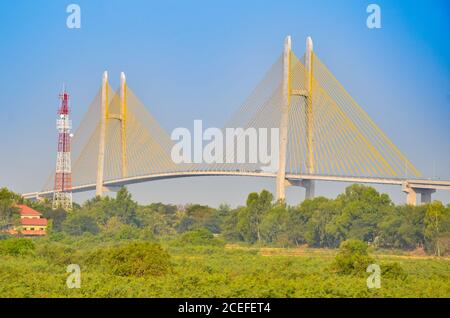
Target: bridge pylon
(105,116)
(103,126)
(281,182)
(309,116)
(284,120)
(123,121)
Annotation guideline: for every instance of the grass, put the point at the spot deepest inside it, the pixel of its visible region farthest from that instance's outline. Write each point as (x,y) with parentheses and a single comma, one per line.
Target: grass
(230,271)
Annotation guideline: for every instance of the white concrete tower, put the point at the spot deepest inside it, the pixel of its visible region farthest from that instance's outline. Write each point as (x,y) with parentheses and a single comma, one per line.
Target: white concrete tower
(286,101)
(309,118)
(123,121)
(101,145)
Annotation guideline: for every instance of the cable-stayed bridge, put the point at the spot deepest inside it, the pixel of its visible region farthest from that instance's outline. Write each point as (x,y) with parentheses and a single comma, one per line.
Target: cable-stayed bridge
(324,135)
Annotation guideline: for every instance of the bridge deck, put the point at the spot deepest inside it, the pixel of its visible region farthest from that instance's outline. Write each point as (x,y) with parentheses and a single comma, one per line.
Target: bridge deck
(413,183)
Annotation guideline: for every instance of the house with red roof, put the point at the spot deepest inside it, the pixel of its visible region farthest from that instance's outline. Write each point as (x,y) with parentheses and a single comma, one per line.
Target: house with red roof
(31,222)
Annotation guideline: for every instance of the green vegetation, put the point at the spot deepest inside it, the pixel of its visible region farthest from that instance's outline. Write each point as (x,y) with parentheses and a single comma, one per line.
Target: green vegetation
(8,213)
(132,259)
(262,249)
(199,237)
(353,257)
(211,271)
(16,246)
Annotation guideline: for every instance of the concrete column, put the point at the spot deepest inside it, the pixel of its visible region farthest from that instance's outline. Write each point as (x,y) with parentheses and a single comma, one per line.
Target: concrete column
(425,195)
(309,189)
(411,197)
(123,121)
(411,194)
(103,126)
(306,183)
(309,117)
(281,175)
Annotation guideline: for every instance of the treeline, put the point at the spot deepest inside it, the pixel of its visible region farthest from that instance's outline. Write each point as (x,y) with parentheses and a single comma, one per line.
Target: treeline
(359,213)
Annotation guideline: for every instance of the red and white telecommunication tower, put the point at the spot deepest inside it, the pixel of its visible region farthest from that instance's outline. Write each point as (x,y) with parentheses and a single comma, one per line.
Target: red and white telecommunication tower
(62,196)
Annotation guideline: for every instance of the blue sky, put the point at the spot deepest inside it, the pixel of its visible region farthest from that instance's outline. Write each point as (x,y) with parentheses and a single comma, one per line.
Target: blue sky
(199,59)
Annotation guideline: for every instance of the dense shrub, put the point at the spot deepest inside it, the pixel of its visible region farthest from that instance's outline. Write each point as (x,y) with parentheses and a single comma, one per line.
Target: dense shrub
(198,237)
(4,236)
(393,270)
(16,246)
(117,230)
(352,258)
(57,253)
(133,259)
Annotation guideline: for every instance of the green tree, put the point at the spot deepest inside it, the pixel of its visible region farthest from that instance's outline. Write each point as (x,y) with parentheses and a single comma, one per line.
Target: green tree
(403,227)
(117,230)
(124,207)
(362,193)
(197,216)
(320,231)
(166,215)
(80,223)
(296,225)
(249,219)
(362,209)
(274,225)
(9,214)
(230,225)
(57,216)
(160,219)
(437,226)
(5,194)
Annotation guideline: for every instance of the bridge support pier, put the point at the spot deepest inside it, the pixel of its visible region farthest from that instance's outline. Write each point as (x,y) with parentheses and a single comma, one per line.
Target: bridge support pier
(310,188)
(411,194)
(308,184)
(425,195)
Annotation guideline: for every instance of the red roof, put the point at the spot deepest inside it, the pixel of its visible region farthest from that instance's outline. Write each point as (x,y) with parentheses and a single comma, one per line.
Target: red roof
(26,210)
(28,221)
